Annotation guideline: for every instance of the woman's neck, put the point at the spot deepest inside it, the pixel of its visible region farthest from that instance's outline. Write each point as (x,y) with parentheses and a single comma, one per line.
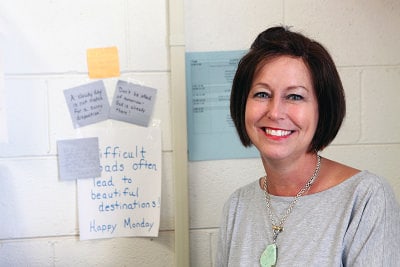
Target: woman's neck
(287,177)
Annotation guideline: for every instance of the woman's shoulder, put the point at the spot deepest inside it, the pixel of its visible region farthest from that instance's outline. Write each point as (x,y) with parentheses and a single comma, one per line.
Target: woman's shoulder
(245,194)
(333,174)
(373,184)
(342,177)
(247,190)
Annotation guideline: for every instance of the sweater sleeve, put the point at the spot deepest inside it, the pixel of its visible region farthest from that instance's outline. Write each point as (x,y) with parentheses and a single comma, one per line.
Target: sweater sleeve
(373,235)
(225,232)
(391,241)
(221,254)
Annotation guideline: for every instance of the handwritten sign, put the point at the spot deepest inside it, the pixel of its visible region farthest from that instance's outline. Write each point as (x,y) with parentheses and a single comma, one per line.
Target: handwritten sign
(78,158)
(87,103)
(125,200)
(133,103)
(103,62)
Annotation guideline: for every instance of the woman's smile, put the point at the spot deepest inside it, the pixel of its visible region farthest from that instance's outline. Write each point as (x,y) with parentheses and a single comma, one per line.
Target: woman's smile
(277,132)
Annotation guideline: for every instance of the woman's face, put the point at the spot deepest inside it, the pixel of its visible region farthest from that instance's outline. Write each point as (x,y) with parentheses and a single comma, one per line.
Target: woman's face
(282,110)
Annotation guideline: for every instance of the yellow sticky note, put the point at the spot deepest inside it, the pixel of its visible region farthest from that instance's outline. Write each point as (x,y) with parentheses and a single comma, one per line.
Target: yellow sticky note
(103,62)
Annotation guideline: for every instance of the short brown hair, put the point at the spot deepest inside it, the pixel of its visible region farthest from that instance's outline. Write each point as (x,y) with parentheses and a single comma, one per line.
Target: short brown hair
(280,41)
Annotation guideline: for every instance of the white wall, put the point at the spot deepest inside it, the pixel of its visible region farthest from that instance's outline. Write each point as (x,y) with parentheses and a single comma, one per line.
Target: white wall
(363,38)
(43,50)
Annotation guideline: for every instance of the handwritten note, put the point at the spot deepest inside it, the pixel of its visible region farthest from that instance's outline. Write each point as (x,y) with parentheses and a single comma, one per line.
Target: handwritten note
(133,103)
(87,103)
(103,62)
(125,200)
(78,158)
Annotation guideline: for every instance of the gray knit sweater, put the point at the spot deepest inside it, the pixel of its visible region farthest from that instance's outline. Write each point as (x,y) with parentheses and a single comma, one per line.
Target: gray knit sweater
(356,223)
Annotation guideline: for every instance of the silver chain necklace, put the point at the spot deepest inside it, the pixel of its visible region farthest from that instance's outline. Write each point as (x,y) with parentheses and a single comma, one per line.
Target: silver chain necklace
(269,256)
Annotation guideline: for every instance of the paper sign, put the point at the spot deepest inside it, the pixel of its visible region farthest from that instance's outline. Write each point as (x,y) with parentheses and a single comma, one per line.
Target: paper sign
(125,200)
(87,103)
(133,103)
(78,158)
(103,62)
(211,132)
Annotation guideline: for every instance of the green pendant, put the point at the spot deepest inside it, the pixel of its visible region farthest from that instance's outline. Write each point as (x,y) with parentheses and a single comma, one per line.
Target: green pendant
(268,257)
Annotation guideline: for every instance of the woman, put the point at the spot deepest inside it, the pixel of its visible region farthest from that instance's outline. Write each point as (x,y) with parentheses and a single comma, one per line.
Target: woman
(288,101)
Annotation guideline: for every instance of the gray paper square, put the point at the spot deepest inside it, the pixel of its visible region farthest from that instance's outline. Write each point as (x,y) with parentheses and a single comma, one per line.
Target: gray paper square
(87,103)
(133,103)
(78,158)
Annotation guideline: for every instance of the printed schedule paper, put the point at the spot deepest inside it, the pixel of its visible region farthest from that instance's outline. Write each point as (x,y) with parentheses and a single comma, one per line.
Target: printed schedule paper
(211,133)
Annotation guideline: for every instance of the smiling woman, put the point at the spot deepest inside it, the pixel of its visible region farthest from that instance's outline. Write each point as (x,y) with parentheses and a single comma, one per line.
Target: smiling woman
(276,42)
(288,101)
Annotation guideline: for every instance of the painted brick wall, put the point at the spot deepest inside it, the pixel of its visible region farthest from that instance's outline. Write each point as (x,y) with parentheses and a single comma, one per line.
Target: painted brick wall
(43,52)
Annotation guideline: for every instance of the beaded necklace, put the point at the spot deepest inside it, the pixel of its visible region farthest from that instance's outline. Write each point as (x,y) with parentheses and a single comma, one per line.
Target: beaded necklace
(269,256)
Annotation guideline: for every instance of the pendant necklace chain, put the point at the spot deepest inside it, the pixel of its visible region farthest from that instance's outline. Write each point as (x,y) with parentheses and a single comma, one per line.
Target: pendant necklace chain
(268,258)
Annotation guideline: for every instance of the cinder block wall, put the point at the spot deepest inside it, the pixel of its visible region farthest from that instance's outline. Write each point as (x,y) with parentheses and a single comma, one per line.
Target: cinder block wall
(43,52)
(363,38)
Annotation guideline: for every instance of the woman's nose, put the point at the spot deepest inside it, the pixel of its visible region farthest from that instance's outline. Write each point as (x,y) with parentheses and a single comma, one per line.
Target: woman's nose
(275,109)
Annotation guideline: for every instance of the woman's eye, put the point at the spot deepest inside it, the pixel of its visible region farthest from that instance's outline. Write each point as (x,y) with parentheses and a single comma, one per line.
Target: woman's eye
(295,97)
(261,95)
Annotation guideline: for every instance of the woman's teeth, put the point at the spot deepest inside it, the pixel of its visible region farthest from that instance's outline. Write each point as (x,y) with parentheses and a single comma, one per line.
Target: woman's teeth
(277,132)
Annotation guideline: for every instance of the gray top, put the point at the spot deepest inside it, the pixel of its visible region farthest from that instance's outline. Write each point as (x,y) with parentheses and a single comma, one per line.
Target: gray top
(356,223)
